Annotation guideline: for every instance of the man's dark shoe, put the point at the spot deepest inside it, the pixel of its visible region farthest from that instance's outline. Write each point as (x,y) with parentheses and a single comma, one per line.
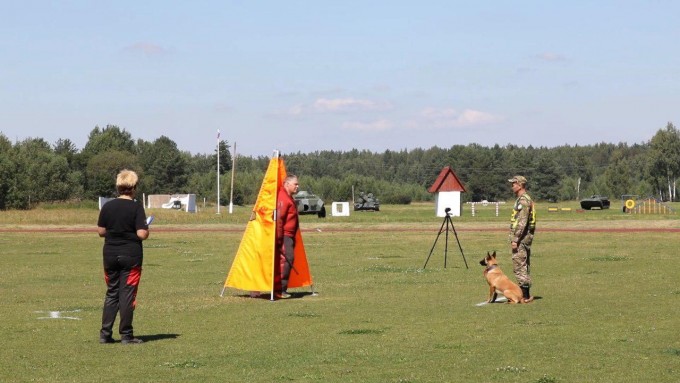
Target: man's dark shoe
(131,341)
(106,340)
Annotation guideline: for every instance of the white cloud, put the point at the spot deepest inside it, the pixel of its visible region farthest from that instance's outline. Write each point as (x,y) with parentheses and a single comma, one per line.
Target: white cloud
(550,56)
(145,48)
(296,110)
(348,104)
(338,105)
(452,118)
(375,126)
(222,107)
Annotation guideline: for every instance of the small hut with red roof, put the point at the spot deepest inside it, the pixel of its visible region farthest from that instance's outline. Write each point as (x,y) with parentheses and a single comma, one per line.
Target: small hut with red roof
(447,188)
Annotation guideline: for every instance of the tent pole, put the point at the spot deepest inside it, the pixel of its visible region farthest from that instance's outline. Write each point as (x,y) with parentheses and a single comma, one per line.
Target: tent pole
(275,155)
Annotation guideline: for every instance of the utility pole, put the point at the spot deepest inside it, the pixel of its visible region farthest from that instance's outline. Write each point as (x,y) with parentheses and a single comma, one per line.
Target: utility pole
(218,171)
(233,171)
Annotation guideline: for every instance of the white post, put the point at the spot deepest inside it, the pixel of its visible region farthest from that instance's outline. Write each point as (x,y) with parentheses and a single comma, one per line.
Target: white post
(218,171)
(233,170)
(274,216)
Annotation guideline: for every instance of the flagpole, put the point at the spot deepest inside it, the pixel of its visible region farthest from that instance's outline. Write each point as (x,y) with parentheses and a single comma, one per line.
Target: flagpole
(275,155)
(233,170)
(218,171)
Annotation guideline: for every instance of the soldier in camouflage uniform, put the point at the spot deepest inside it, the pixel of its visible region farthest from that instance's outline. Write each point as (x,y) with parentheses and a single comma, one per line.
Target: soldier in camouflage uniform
(522,227)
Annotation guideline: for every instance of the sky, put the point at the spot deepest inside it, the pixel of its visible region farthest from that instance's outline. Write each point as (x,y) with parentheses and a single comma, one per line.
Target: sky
(306,76)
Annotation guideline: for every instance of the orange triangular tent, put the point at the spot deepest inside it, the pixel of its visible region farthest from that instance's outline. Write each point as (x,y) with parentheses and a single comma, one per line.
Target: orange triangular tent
(253,266)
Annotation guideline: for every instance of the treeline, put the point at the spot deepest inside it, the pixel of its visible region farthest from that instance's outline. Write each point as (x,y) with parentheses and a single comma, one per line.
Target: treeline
(33,171)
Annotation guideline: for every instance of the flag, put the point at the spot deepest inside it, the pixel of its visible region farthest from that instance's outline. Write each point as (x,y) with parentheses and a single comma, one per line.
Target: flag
(218,134)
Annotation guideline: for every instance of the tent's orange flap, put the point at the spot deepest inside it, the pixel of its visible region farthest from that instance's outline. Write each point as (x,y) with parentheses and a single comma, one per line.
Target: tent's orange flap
(300,276)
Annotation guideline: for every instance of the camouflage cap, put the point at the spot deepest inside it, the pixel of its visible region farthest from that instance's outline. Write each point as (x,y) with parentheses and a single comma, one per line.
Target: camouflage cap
(519,179)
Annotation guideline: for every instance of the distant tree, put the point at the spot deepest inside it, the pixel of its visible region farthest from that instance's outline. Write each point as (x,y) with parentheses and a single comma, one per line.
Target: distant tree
(433,161)
(664,165)
(416,170)
(42,172)
(102,170)
(202,184)
(545,179)
(66,149)
(7,172)
(225,157)
(582,168)
(107,139)
(479,172)
(164,166)
(100,140)
(201,163)
(619,176)
(246,189)
(568,189)
(38,174)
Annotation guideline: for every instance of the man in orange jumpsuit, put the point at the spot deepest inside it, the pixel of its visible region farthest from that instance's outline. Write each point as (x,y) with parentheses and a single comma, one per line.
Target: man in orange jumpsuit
(287,225)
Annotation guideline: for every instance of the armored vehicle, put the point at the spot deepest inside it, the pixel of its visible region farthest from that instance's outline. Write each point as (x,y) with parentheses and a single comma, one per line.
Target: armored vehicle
(308,203)
(595,202)
(367,202)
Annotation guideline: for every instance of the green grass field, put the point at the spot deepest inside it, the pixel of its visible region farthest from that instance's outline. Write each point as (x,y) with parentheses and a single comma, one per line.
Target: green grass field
(608,308)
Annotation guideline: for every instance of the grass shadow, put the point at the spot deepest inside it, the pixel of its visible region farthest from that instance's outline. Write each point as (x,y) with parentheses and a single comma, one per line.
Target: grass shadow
(267,295)
(155,337)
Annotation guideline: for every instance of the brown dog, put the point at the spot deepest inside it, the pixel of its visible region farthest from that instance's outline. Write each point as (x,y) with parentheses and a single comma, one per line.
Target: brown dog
(499,282)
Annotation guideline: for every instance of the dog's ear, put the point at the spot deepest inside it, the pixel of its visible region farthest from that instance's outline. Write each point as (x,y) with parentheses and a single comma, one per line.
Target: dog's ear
(494,254)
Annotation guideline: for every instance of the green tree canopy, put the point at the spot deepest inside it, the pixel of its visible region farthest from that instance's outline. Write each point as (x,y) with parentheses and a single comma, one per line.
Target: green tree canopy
(165,167)
(102,170)
(665,160)
(106,139)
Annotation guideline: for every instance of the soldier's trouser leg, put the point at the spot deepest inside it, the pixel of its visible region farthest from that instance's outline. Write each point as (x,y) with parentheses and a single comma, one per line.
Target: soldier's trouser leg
(287,259)
(521,259)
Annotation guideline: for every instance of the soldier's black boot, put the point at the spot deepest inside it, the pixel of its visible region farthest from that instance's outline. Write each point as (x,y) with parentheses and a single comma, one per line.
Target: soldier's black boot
(526,295)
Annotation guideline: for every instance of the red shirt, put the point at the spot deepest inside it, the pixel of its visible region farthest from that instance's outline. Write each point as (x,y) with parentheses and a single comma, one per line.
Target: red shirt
(286,215)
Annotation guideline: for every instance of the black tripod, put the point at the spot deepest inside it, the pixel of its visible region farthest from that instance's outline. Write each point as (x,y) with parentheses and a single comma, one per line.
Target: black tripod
(447,222)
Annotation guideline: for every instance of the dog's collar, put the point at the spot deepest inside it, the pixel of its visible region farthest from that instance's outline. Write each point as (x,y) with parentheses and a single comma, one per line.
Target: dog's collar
(489,268)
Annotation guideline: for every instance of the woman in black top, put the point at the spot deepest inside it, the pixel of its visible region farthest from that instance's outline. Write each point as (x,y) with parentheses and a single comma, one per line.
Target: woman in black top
(122,223)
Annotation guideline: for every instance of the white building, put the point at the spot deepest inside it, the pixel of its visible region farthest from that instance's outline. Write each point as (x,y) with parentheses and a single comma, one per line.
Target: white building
(447,188)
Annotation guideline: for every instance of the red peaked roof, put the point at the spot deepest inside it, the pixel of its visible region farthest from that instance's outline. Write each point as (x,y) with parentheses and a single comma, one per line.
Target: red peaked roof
(446,181)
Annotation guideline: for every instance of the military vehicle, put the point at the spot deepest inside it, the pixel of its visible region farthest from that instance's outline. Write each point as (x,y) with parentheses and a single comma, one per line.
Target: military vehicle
(367,202)
(308,203)
(595,202)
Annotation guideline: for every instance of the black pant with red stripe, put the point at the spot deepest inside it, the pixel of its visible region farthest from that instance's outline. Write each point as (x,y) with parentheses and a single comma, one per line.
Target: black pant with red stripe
(122,274)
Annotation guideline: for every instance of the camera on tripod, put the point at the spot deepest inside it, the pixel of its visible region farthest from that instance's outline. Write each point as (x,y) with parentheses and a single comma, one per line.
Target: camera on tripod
(445,228)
